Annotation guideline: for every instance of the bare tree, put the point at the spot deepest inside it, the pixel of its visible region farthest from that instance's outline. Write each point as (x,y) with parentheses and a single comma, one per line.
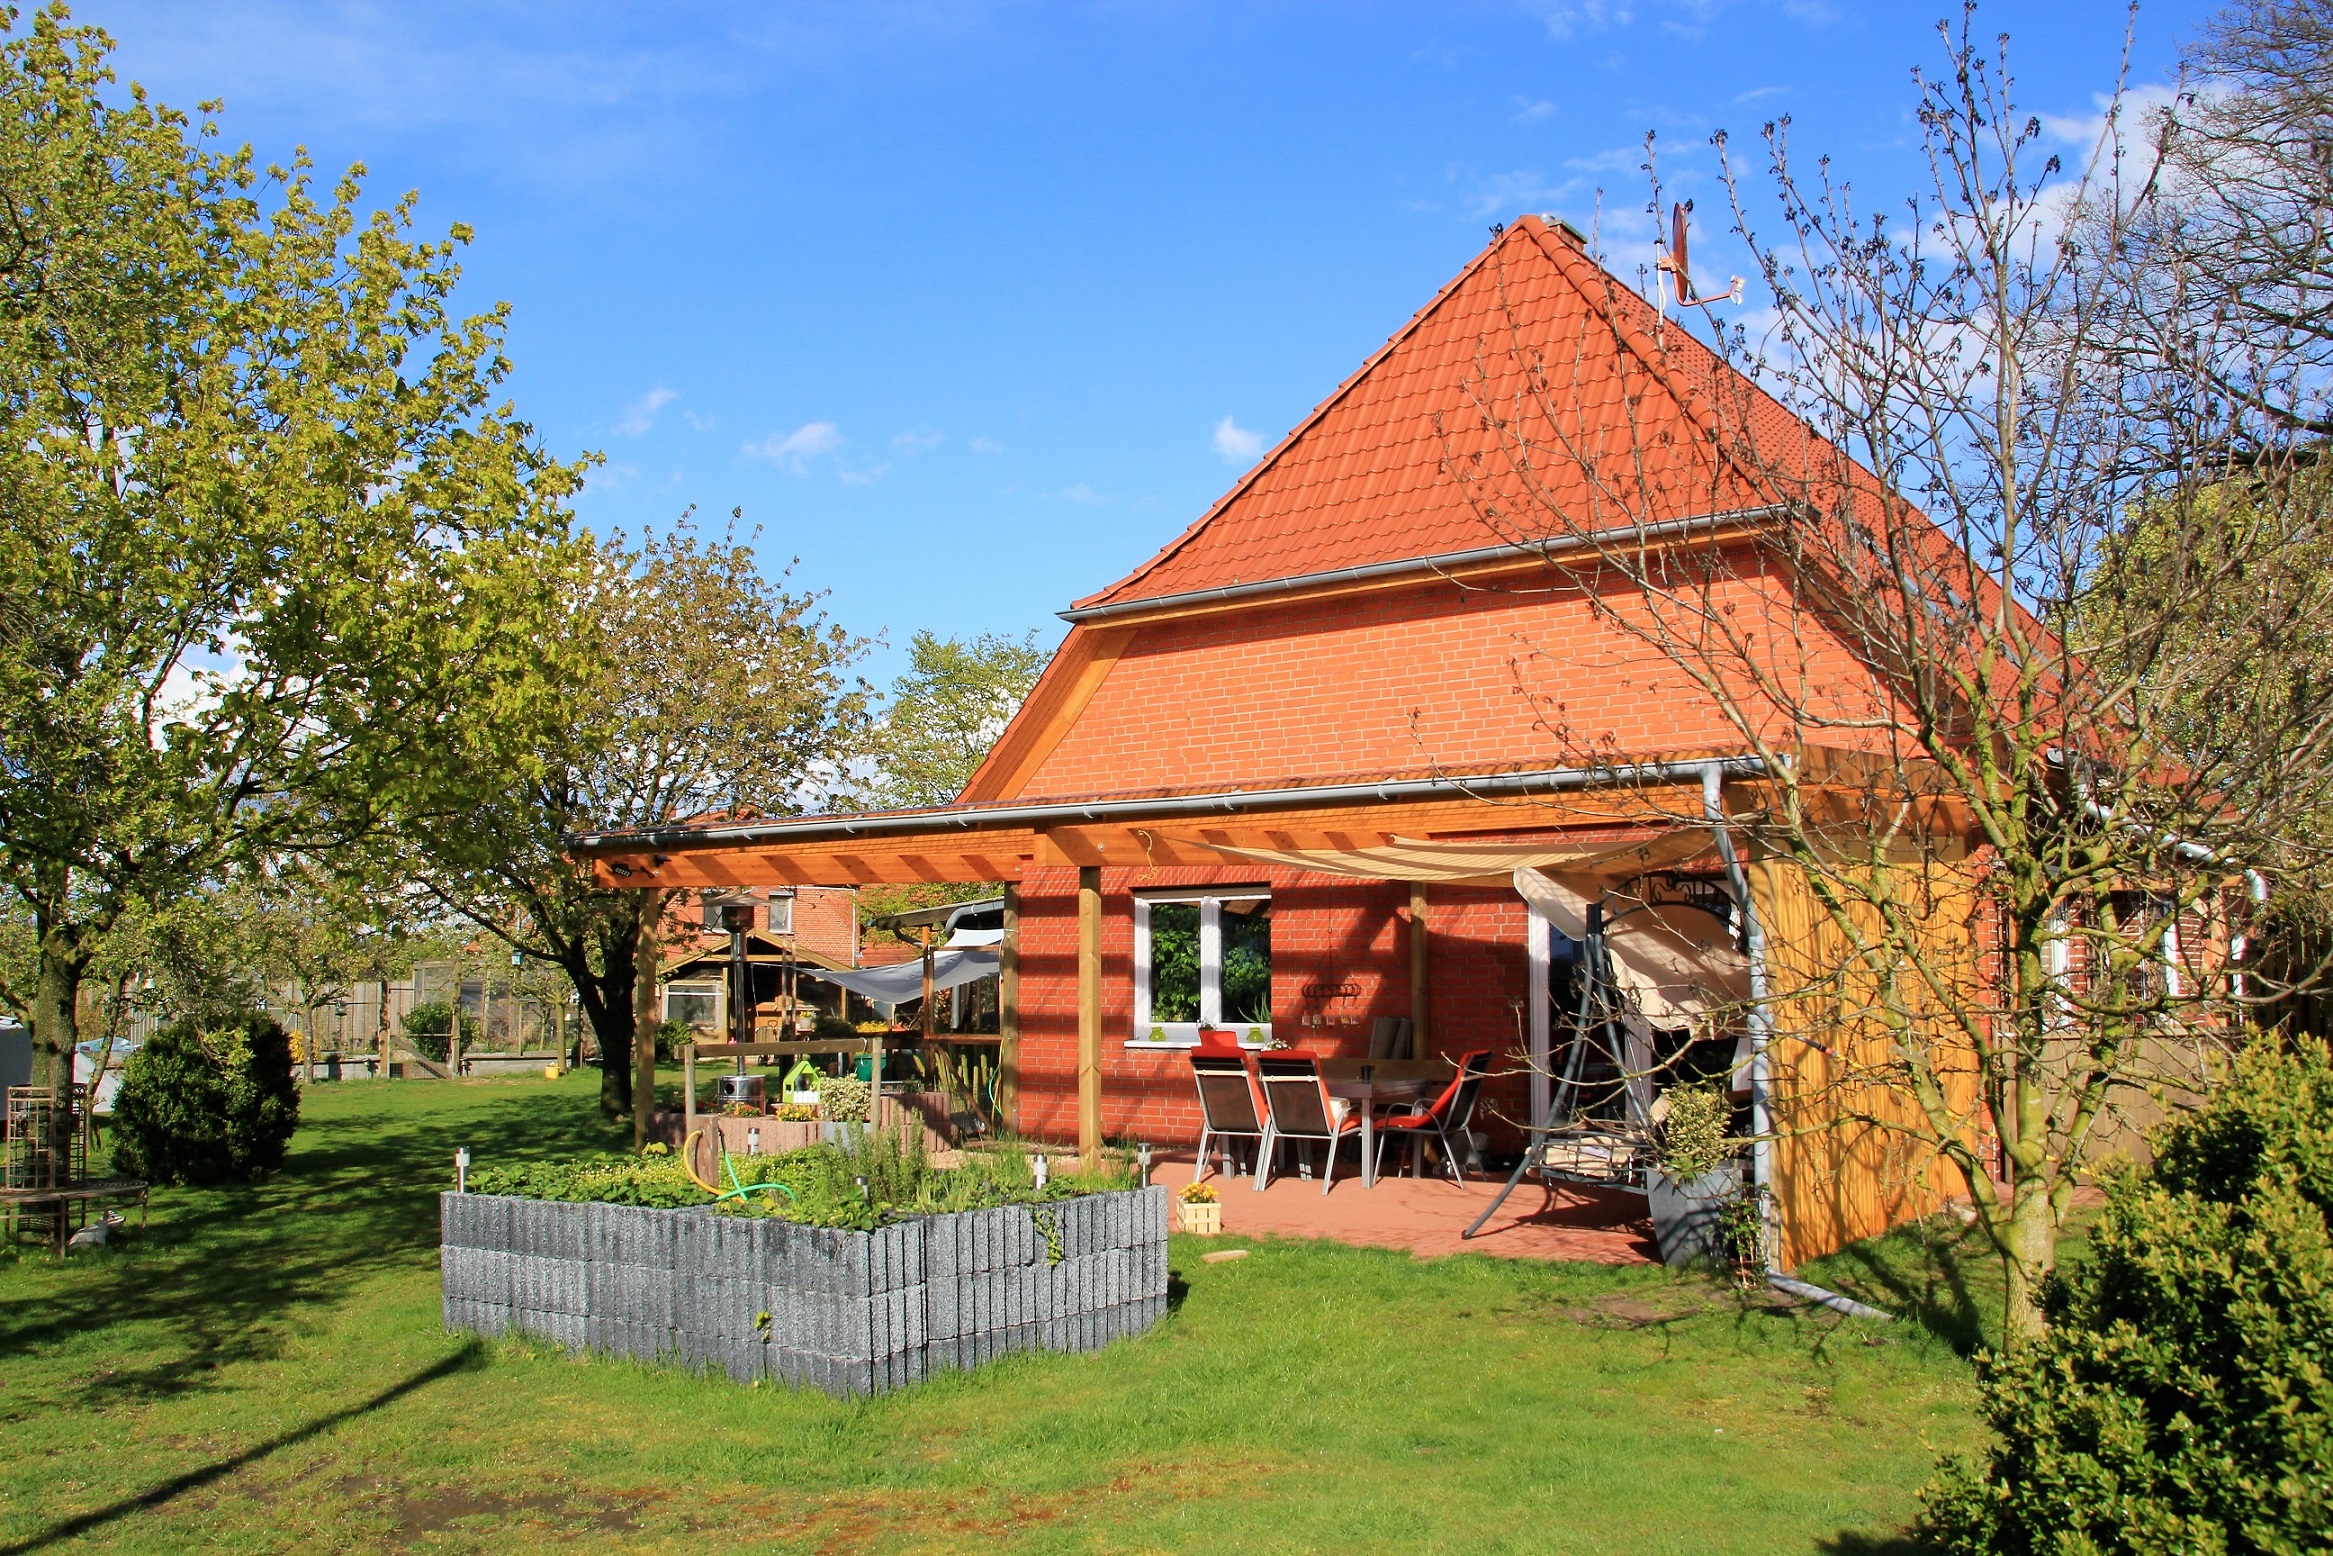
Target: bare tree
(2011,600)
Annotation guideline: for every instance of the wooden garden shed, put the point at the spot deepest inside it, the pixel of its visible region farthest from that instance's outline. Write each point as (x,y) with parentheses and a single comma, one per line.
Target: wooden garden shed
(1275,780)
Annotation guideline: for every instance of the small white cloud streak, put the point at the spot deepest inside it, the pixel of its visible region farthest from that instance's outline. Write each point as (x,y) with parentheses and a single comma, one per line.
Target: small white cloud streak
(794,450)
(1236,444)
(913,442)
(985,446)
(640,415)
(1566,18)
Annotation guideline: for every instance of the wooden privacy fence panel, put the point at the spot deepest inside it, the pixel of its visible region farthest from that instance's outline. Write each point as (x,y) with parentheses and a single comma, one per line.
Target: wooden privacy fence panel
(1854,1154)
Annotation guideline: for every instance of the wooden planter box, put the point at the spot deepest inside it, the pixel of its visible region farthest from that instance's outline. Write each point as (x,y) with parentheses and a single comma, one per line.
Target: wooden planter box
(850,1313)
(1200,1220)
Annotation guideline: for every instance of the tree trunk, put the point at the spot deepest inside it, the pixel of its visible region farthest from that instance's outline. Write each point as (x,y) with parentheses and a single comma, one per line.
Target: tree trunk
(606,999)
(647,959)
(2029,1253)
(56,1004)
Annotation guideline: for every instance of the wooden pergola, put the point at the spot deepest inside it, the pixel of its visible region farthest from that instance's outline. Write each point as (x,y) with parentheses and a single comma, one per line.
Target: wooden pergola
(1001,842)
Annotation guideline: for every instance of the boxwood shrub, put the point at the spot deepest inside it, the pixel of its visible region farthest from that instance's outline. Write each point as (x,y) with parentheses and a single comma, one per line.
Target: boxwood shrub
(207,1102)
(2181,1399)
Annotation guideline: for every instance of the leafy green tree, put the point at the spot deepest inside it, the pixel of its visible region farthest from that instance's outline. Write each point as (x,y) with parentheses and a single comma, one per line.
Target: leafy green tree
(275,566)
(712,688)
(947,710)
(2179,1401)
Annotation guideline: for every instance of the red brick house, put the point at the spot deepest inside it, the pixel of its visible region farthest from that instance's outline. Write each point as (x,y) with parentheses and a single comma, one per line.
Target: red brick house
(1340,658)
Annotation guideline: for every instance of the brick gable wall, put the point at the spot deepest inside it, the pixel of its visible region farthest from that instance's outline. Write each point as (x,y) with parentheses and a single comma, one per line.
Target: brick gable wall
(1429,676)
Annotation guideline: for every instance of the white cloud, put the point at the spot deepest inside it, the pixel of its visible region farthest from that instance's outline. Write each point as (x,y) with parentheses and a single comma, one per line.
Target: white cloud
(913,442)
(2139,107)
(1080,493)
(640,415)
(191,691)
(986,446)
(866,477)
(1526,111)
(1564,18)
(1503,195)
(1236,444)
(794,450)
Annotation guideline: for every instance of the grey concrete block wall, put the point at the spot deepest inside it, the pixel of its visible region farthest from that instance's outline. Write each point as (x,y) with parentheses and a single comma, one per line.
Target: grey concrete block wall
(847,1312)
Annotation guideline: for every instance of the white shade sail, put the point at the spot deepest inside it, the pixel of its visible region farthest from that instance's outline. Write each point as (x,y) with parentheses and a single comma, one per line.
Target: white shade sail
(903,981)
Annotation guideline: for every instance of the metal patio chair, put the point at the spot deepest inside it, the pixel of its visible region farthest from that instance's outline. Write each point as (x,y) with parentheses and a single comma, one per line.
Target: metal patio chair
(1298,1107)
(1449,1118)
(1230,1107)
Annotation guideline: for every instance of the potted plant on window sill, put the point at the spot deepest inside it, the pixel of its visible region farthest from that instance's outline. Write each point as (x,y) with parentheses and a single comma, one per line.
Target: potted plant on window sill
(1694,1177)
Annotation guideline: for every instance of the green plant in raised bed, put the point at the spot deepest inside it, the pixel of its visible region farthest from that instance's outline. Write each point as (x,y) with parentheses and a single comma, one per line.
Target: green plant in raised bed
(658,1181)
(880,1176)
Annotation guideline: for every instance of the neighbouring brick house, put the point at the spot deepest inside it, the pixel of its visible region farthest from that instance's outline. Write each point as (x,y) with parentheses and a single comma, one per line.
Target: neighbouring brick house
(1340,655)
(811,926)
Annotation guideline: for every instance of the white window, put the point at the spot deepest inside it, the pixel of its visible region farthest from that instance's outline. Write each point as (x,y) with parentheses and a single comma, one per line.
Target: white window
(1202,959)
(700,1004)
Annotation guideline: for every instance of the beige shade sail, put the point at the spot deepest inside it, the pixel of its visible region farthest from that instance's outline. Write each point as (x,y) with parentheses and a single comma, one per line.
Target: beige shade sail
(1483,863)
(1662,954)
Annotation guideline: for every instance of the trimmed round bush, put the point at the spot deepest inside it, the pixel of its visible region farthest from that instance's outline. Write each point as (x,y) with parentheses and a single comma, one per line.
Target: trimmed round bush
(207,1102)
(2180,1400)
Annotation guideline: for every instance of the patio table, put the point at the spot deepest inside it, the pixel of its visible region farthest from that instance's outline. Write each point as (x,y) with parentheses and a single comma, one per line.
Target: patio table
(1368,1094)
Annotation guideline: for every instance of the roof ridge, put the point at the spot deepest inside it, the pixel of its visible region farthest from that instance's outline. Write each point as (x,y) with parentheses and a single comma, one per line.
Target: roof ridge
(1654,354)
(1288,440)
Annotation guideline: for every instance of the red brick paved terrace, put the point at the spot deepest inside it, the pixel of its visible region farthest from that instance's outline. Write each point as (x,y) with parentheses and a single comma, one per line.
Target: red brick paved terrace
(1425,1215)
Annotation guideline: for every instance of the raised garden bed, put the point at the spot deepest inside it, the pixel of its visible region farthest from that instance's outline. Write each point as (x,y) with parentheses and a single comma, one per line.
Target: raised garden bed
(851,1313)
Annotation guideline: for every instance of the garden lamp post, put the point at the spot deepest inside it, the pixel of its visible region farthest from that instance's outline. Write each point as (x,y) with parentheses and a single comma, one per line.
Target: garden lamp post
(737,917)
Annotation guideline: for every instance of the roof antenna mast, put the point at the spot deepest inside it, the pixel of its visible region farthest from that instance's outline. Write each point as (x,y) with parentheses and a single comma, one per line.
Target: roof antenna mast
(1673,265)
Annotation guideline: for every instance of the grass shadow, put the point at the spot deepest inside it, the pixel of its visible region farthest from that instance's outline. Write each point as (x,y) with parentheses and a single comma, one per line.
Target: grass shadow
(462,1360)
(225,1272)
(1849,1542)
(1939,1273)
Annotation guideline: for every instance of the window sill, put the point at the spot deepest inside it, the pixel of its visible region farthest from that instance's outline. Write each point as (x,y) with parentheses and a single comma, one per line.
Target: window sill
(1183,1043)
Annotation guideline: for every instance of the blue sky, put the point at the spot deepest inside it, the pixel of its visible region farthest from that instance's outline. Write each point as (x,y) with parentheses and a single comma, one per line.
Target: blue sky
(973,306)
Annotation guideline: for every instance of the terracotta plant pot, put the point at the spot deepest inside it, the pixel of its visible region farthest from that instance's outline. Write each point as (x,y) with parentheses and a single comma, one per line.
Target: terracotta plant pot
(1200,1220)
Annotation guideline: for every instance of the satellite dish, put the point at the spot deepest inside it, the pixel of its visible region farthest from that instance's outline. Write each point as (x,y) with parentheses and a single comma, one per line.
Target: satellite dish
(1673,265)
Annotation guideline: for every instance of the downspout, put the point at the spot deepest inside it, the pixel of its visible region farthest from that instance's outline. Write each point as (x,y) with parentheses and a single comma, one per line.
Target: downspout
(1761,1071)
(1761,1013)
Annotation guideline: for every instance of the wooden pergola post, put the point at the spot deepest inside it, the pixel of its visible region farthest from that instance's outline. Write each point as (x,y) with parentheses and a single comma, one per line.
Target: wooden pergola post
(1417,969)
(1089,1016)
(1008,1013)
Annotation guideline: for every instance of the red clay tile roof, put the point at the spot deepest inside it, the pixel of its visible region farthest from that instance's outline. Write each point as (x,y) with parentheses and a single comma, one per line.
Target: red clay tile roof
(1532,334)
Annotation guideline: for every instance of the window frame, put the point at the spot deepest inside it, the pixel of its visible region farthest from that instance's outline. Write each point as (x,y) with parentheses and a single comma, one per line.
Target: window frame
(1185,1034)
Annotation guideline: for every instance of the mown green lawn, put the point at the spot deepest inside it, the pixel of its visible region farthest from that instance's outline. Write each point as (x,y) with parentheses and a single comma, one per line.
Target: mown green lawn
(263,1370)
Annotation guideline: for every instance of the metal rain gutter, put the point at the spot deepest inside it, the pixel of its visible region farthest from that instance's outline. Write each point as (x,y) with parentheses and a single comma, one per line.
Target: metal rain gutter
(1228,802)
(1424,565)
